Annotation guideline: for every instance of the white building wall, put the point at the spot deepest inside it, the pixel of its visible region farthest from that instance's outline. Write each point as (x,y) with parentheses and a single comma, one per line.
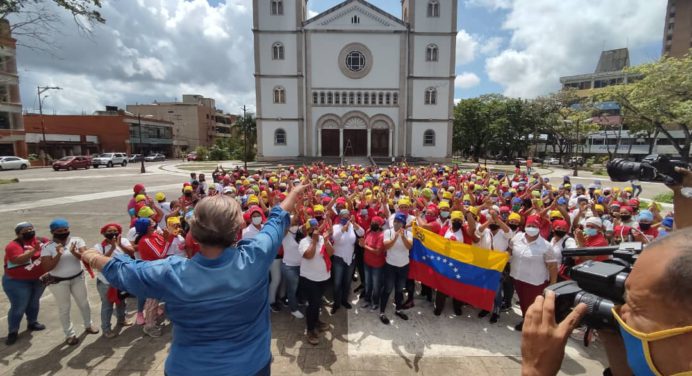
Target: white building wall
(441,24)
(270,110)
(439,150)
(291,149)
(424,111)
(439,68)
(267,21)
(287,66)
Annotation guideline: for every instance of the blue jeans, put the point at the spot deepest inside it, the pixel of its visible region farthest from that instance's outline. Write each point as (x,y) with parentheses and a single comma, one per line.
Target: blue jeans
(140,304)
(497,304)
(342,274)
(394,280)
(24,299)
(107,307)
(373,284)
(291,275)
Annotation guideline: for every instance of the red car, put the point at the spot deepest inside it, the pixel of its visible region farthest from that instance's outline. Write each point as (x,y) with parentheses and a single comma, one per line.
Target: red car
(72,162)
(192,157)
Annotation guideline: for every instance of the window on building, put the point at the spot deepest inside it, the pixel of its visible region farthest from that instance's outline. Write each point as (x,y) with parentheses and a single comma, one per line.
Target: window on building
(388,99)
(359,98)
(351,97)
(431,53)
(279,137)
(380,98)
(279,95)
(330,98)
(278,51)
(366,98)
(322,97)
(355,20)
(429,138)
(314,98)
(431,96)
(277,7)
(5,120)
(337,98)
(4,94)
(395,99)
(355,61)
(433,8)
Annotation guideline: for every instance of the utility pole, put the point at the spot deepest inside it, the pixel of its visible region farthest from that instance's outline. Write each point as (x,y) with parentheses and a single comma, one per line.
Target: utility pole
(245,126)
(40,90)
(576,160)
(141,146)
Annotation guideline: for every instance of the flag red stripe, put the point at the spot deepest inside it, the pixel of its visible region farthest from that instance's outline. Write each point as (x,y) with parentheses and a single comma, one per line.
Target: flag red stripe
(475,296)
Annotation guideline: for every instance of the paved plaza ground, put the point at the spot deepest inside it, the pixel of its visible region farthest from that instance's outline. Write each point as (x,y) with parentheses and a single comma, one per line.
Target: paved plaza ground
(357,344)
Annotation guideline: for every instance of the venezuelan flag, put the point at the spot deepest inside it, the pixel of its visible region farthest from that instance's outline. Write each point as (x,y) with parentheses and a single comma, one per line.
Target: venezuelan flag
(467,273)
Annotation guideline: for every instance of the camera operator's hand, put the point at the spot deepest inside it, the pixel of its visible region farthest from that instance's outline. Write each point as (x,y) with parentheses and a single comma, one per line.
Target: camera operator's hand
(682,197)
(543,340)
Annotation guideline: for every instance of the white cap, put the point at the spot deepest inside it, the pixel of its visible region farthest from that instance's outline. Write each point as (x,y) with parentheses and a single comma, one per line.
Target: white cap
(595,221)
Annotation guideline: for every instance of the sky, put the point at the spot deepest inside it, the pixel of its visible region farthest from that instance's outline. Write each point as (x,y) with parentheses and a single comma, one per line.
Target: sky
(161,49)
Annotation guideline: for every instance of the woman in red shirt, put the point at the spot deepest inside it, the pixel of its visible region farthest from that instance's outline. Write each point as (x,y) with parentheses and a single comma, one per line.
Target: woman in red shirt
(374,259)
(21,280)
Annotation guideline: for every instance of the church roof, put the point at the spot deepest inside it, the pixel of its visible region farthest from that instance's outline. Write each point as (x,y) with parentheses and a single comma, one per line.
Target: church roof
(337,7)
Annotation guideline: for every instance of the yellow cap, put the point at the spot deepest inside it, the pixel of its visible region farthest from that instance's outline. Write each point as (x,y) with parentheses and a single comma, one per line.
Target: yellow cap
(404,201)
(628,189)
(173,221)
(456,215)
(187,188)
(139,198)
(443,205)
(160,196)
(253,200)
(318,208)
(514,217)
(473,210)
(145,212)
(447,195)
(555,214)
(598,207)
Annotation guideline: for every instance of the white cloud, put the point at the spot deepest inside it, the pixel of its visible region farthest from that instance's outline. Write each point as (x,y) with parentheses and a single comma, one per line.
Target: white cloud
(559,38)
(457,100)
(466,80)
(466,47)
(490,46)
(490,4)
(312,13)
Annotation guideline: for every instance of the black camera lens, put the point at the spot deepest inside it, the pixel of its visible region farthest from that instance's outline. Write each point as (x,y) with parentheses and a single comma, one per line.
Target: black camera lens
(622,170)
(599,314)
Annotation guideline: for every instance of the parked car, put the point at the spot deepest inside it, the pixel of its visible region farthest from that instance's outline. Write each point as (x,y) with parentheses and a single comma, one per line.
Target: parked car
(192,157)
(552,161)
(537,159)
(135,158)
(72,162)
(12,163)
(155,158)
(576,161)
(109,160)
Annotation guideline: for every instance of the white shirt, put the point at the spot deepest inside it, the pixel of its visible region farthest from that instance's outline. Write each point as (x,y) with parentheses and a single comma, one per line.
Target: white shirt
(458,235)
(116,251)
(251,231)
(177,247)
(345,242)
(398,255)
(166,209)
(567,242)
(498,242)
(529,259)
(68,266)
(315,268)
(292,257)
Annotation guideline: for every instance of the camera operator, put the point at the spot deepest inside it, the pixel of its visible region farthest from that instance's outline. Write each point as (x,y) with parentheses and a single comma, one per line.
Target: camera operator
(655,324)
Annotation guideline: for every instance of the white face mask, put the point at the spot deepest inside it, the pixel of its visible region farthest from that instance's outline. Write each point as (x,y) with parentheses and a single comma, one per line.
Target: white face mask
(531,231)
(256,221)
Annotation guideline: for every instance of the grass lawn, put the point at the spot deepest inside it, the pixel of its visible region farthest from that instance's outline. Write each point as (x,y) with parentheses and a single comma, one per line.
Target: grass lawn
(9,181)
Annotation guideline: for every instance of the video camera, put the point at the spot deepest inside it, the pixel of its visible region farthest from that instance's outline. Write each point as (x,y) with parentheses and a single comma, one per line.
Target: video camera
(598,284)
(653,167)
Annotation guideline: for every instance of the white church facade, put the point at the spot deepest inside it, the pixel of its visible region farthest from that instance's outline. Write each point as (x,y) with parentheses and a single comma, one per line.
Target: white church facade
(354,80)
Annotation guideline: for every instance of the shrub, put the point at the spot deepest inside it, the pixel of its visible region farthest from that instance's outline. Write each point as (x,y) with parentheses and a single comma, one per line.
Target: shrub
(664,197)
(202,153)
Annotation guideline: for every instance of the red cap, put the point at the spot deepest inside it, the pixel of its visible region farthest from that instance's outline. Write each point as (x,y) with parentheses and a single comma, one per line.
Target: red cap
(626,208)
(633,203)
(186,184)
(378,221)
(533,220)
(326,200)
(282,196)
(341,200)
(560,224)
(504,209)
(138,188)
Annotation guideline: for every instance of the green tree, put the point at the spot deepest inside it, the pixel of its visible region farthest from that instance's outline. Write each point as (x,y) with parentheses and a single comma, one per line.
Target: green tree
(247,140)
(661,100)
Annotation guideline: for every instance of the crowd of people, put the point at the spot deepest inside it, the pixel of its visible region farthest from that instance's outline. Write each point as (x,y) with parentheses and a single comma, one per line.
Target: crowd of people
(343,224)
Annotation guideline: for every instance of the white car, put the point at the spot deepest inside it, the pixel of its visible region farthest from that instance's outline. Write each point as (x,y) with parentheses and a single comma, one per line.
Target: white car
(12,163)
(109,160)
(552,161)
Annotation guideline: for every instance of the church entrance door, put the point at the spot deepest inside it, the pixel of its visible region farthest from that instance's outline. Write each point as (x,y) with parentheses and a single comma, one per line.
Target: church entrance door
(379,143)
(355,142)
(330,142)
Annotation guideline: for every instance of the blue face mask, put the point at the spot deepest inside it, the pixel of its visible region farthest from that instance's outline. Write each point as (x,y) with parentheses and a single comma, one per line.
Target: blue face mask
(444,214)
(590,231)
(343,221)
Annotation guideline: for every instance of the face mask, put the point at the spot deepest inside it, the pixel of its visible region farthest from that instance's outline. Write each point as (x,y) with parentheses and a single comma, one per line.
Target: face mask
(644,226)
(493,227)
(404,212)
(560,233)
(638,344)
(360,187)
(467,203)
(188,194)
(62,236)
(532,231)
(444,214)
(364,212)
(319,219)
(456,226)
(343,221)
(374,227)
(430,218)
(110,235)
(625,218)
(256,221)
(28,235)
(590,231)
(513,227)
(328,191)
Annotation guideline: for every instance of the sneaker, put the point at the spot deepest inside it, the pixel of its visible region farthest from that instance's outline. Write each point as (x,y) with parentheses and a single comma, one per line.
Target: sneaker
(505,307)
(284,302)
(124,322)
(109,334)
(409,305)
(401,315)
(72,341)
(312,338)
(91,330)
(334,310)
(482,314)
(437,312)
(140,318)
(347,305)
(365,305)
(11,338)
(322,326)
(275,307)
(153,331)
(374,307)
(384,319)
(297,314)
(36,327)
(519,326)
(494,317)
(457,311)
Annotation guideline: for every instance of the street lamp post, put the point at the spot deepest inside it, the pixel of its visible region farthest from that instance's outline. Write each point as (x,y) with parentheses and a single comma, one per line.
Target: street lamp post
(245,126)
(40,90)
(576,160)
(141,146)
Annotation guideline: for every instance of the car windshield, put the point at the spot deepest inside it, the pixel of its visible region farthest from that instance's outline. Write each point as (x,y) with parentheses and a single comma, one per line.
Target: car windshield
(65,158)
(106,155)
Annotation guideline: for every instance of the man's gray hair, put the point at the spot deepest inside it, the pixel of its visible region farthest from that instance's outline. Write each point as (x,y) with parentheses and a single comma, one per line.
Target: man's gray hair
(676,282)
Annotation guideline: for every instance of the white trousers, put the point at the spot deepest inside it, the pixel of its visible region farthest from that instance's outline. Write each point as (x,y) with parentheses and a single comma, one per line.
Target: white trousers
(63,293)
(275,273)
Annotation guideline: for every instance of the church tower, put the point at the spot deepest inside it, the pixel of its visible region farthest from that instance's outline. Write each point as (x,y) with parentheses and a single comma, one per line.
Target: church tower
(279,71)
(432,45)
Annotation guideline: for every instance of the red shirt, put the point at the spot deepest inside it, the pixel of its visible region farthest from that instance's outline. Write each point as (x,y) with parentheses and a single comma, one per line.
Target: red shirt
(152,247)
(375,240)
(30,270)
(191,246)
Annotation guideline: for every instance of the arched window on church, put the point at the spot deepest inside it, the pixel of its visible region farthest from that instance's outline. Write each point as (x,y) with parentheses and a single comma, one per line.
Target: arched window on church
(322,97)
(431,53)
(359,98)
(380,98)
(279,137)
(330,98)
(433,8)
(277,7)
(395,99)
(314,98)
(337,98)
(278,51)
(431,95)
(429,138)
(388,99)
(366,98)
(279,95)
(351,95)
